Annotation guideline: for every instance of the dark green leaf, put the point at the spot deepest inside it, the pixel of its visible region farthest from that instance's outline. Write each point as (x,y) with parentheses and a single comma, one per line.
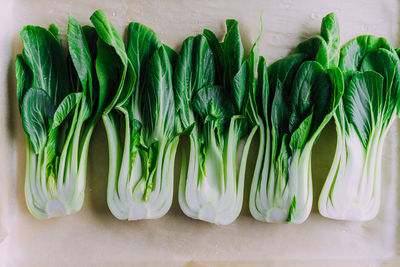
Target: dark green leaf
(91,39)
(211,104)
(316,49)
(386,64)
(311,90)
(218,54)
(263,89)
(301,134)
(337,83)
(142,43)
(353,53)
(283,72)
(306,81)
(240,86)
(158,109)
(44,56)
(330,32)
(24,78)
(56,32)
(195,69)
(232,52)
(65,107)
(36,111)
(361,101)
(172,55)
(80,54)
(280,111)
(109,71)
(109,34)
(253,91)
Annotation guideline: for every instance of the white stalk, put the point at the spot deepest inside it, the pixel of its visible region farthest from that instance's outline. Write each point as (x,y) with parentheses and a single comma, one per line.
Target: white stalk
(215,196)
(352,190)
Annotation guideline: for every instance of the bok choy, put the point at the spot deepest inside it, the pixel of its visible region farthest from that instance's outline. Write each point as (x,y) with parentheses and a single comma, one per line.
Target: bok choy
(352,190)
(211,95)
(57,101)
(139,117)
(299,95)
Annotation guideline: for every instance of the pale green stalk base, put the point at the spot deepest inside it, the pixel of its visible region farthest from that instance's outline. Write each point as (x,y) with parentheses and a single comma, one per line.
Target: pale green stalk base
(48,197)
(272,197)
(126,186)
(218,196)
(352,190)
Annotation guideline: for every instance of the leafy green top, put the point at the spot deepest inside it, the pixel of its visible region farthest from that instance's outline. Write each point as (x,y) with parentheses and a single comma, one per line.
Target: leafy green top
(371,97)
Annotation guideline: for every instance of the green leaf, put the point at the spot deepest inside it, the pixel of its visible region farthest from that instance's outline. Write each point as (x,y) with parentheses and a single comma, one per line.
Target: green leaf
(158,109)
(80,54)
(280,111)
(56,32)
(386,64)
(306,82)
(337,83)
(218,55)
(195,69)
(254,91)
(228,58)
(263,89)
(361,101)
(353,53)
(210,104)
(172,55)
(51,148)
(283,71)
(316,49)
(128,87)
(312,90)
(108,69)
(91,39)
(24,78)
(44,56)
(109,34)
(36,111)
(232,53)
(330,32)
(142,43)
(65,107)
(240,86)
(301,134)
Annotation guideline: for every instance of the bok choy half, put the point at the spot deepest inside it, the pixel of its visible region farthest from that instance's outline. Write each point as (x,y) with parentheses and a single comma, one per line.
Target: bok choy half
(211,87)
(139,117)
(58,106)
(299,96)
(352,190)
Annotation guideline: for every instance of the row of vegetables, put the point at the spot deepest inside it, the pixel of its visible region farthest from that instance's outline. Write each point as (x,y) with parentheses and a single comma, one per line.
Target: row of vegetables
(148,96)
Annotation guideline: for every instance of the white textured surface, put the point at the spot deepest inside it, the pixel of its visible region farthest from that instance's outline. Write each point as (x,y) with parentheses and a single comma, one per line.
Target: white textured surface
(94,237)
